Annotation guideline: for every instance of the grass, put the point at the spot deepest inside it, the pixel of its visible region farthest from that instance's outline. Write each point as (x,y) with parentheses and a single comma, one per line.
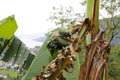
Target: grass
(11,73)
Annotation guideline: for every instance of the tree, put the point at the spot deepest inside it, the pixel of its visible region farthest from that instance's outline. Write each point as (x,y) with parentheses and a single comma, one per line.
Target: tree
(114,64)
(64,16)
(112,27)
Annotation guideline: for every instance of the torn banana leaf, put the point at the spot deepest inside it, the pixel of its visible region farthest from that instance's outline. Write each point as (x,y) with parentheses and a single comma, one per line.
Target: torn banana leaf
(12,50)
(22,57)
(20,51)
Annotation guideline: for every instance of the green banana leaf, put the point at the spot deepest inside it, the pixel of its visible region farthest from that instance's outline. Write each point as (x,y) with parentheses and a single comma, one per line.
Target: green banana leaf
(42,59)
(22,57)
(8,27)
(12,50)
(20,51)
(28,61)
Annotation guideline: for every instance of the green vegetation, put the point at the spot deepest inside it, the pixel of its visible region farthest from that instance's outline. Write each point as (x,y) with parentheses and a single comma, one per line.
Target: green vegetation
(11,73)
(114,63)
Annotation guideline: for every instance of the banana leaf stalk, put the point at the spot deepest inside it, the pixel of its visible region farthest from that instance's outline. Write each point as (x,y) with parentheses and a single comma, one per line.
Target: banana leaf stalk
(97,49)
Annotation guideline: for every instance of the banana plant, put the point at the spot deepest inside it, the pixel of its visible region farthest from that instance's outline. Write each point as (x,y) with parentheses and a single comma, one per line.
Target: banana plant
(65,59)
(97,50)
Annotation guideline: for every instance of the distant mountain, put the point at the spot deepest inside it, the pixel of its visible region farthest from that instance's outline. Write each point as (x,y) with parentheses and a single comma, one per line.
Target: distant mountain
(40,39)
(30,36)
(116,41)
(31,40)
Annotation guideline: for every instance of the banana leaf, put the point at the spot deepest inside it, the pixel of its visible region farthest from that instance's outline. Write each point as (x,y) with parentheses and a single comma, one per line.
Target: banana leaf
(28,61)
(42,59)
(23,56)
(12,50)
(21,50)
(8,26)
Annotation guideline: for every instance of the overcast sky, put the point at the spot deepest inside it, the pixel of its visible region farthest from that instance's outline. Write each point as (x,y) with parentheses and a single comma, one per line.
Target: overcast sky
(31,15)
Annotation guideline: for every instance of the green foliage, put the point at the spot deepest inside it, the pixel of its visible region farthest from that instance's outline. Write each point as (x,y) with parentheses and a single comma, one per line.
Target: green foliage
(8,27)
(111,6)
(11,73)
(64,16)
(112,25)
(114,63)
